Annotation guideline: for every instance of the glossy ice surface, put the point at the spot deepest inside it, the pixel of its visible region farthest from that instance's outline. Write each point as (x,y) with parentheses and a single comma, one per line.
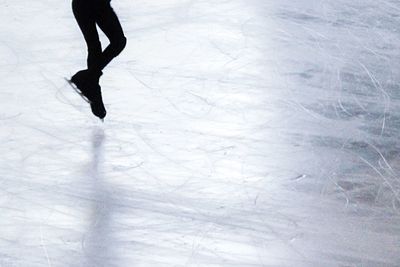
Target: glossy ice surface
(239,133)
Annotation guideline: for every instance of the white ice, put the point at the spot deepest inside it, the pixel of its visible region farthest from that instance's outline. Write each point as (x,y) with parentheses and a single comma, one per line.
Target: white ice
(239,133)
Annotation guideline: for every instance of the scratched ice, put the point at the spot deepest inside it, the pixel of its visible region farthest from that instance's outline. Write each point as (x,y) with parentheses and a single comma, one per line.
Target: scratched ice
(239,133)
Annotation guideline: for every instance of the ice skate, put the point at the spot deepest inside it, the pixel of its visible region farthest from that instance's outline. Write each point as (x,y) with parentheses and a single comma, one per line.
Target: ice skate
(77,90)
(96,104)
(84,80)
(91,94)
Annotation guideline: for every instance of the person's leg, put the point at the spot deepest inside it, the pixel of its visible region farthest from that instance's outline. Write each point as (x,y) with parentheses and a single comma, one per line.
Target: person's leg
(84,12)
(108,22)
(87,14)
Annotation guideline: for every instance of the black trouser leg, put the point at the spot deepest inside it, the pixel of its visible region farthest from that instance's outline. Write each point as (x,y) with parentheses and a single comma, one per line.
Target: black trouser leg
(88,13)
(86,19)
(108,22)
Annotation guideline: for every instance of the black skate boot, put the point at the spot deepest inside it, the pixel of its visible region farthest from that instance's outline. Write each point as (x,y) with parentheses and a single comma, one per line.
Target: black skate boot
(96,104)
(84,80)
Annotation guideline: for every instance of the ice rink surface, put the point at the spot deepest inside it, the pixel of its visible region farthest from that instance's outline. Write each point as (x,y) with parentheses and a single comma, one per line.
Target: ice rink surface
(239,133)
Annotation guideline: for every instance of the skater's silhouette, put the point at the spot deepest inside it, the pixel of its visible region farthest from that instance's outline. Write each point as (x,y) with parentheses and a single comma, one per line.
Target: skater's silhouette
(88,14)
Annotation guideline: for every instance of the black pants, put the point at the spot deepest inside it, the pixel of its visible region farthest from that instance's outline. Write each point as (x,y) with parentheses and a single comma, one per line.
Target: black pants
(88,13)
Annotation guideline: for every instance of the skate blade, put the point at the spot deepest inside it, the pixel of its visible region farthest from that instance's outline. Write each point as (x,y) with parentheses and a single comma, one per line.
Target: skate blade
(77,90)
